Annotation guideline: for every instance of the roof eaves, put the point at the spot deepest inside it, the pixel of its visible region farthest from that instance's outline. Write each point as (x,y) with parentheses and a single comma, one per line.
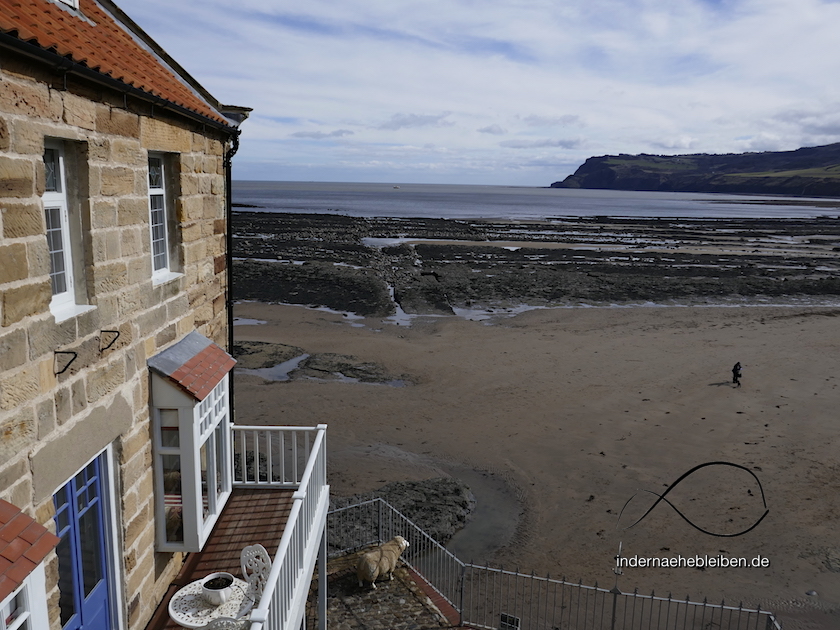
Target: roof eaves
(27,45)
(143,38)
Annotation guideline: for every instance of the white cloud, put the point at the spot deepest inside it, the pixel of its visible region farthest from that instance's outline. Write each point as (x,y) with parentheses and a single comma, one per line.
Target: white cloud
(320,135)
(627,76)
(676,145)
(413,121)
(534,120)
(541,144)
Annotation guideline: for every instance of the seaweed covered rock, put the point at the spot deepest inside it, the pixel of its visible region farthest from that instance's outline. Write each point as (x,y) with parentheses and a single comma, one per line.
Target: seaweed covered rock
(254,355)
(318,284)
(439,507)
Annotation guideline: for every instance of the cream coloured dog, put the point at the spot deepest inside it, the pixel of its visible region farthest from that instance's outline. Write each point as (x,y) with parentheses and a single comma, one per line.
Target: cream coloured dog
(380,561)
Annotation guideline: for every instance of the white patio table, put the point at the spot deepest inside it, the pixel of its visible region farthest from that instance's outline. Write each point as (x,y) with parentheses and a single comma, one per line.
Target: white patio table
(189,609)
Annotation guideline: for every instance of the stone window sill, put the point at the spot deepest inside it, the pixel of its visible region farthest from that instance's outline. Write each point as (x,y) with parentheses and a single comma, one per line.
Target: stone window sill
(66,311)
(165,276)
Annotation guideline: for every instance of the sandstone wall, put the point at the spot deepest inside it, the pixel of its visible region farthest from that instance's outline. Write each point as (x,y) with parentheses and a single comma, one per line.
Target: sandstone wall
(52,424)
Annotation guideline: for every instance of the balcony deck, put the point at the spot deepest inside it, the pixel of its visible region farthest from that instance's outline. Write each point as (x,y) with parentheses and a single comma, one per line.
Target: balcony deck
(252,515)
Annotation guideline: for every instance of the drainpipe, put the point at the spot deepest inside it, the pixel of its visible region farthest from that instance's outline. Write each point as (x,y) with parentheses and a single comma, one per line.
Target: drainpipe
(229,153)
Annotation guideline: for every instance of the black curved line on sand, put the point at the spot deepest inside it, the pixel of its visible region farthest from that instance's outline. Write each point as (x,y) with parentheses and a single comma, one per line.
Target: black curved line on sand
(661,497)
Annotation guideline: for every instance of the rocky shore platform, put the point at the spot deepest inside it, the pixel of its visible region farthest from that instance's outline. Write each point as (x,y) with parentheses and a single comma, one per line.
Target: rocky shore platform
(375,266)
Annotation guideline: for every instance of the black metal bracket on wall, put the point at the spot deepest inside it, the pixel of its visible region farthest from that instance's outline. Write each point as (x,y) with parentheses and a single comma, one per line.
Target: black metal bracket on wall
(116,334)
(68,364)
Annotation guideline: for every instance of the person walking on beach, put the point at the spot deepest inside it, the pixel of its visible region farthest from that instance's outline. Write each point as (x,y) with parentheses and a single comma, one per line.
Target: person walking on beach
(736,374)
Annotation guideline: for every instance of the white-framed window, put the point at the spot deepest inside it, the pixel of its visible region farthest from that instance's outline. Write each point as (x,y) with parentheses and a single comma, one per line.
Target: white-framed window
(163,229)
(26,607)
(192,463)
(157,210)
(58,224)
(64,234)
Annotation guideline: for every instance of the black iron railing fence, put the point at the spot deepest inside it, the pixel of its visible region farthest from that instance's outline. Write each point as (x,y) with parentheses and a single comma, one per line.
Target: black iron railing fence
(497,599)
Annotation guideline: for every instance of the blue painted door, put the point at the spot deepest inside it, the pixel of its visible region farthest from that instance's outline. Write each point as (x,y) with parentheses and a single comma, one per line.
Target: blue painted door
(82,566)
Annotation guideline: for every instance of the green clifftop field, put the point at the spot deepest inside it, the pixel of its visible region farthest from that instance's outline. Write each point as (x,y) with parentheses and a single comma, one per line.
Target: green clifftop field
(811,172)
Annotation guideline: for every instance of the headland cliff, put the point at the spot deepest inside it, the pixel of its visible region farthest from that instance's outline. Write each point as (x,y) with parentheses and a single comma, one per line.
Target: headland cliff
(810,171)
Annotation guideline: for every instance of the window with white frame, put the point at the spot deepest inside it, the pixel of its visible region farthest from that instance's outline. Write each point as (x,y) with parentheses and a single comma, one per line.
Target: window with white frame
(26,607)
(64,234)
(58,224)
(192,464)
(162,227)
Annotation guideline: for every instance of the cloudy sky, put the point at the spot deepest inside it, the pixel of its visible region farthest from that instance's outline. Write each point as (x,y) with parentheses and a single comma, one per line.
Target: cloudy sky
(513,92)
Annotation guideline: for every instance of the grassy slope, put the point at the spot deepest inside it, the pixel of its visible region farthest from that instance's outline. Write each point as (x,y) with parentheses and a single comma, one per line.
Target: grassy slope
(683,165)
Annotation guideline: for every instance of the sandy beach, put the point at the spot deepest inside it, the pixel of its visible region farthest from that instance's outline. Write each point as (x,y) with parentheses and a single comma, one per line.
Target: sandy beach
(561,415)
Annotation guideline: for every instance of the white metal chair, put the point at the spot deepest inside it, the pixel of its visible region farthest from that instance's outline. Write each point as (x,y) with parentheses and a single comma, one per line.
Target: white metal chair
(256,565)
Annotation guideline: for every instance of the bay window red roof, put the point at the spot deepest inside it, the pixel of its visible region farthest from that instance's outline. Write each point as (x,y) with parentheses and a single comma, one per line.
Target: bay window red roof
(23,545)
(195,364)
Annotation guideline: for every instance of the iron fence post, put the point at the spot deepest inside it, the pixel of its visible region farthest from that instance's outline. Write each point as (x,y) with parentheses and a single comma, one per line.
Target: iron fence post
(615,592)
(461,595)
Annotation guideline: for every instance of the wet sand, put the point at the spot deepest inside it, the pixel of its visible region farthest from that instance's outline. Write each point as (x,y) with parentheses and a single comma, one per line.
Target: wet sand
(575,411)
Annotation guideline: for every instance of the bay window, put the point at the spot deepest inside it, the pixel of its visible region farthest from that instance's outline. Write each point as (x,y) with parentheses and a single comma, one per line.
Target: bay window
(192,443)
(24,545)
(26,607)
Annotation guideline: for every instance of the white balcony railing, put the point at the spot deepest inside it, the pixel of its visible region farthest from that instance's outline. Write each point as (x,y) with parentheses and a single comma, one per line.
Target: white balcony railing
(271,456)
(287,457)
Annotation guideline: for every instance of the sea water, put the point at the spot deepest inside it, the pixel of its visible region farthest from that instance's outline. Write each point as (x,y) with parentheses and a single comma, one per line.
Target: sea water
(509,202)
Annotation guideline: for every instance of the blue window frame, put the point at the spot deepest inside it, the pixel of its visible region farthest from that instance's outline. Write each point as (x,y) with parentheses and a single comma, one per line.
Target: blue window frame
(82,560)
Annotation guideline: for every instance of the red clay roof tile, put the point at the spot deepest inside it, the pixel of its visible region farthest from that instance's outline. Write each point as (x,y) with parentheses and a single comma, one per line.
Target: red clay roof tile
(14,527)
(20,570)
(14,550)
(40,549)
(201,373)
(7,512)
(32,532)
(102,43)
(180,373)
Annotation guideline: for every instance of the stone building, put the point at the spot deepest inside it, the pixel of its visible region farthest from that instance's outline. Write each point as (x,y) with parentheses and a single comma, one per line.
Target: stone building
(114,190)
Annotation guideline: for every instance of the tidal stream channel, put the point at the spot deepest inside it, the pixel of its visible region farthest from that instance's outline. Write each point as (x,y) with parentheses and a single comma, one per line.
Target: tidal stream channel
(493,521)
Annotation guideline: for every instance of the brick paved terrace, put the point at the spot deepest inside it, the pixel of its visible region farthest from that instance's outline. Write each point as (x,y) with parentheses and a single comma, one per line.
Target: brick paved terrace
(405,603)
